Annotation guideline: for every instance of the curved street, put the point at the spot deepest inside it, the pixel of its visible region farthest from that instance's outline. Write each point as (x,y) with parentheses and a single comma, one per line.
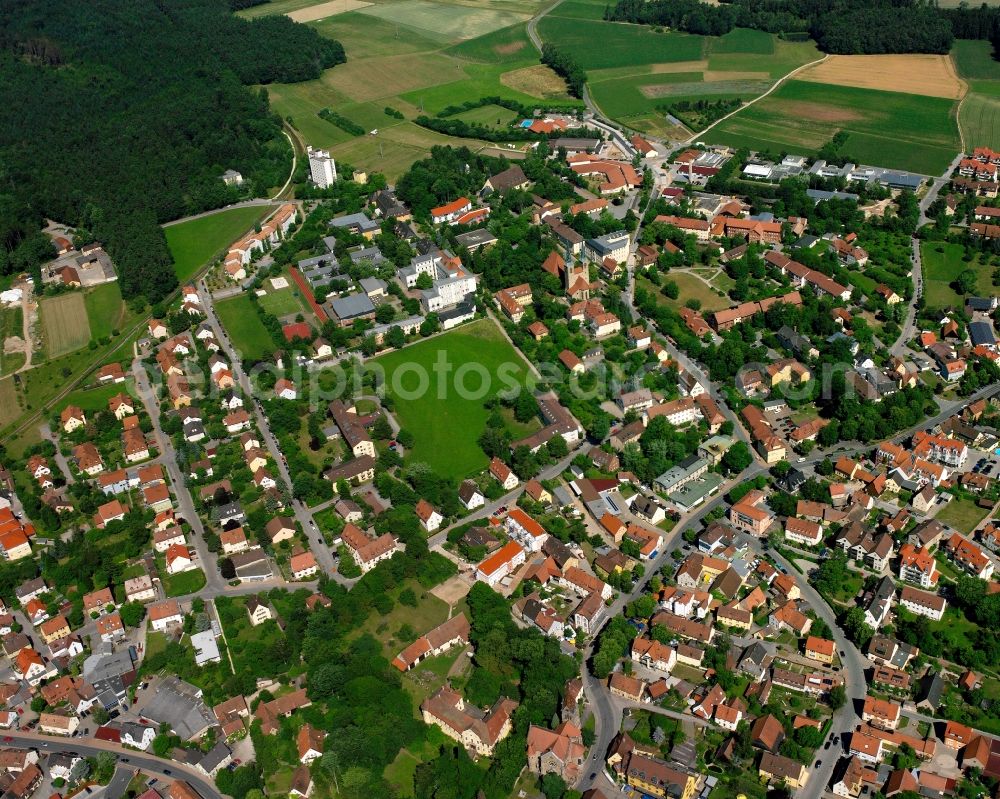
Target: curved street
(90,747)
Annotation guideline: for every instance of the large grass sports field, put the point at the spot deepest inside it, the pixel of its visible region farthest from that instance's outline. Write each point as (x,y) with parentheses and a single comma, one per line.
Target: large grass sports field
(247,332)
(445,425)
(64,323)
(196,242)
(941,268)
(890,129)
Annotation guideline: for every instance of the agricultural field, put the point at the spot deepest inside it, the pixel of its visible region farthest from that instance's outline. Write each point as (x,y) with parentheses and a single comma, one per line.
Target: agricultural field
(979,113)
(248,334)
(105,309)
(11,326)
(10,407)
(439,413)
(454,22)
(974,59)
(979,117)
(394,63)
(196,242)
(64,323)
(890,129)
(504,46)
(743,64)
(941,268)
(621,44)
(930,75)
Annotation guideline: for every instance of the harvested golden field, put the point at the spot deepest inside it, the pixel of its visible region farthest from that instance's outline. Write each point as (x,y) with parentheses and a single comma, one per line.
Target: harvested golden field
(538,81)
(679,66)
(928,75)
(712,77)
(324,10)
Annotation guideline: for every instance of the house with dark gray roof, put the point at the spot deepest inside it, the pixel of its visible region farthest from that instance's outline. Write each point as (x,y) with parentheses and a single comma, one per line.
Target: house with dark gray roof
(353,306)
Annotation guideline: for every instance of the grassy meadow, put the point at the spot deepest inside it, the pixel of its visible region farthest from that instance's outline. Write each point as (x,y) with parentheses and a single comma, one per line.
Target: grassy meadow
(941,268)
(416,58)
(245,329)
(891,129)
(438,413)
(979,113)
(197,241)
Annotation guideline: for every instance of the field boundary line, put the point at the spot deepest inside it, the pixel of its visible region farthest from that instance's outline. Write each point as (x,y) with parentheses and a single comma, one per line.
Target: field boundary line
(777,83)
(965,94)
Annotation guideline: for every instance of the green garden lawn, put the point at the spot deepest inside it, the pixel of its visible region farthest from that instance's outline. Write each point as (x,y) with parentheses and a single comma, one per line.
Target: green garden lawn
(104,309)
(962,514)
(941,268)
(196,242)
(447,430)
(247,332)
(184,582)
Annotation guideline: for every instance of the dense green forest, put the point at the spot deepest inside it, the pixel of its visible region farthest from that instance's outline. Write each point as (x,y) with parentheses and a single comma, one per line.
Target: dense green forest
(116,116)
(838,26)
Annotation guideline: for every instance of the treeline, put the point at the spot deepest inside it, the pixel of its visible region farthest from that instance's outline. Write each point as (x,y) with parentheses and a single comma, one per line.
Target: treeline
(342,122)
(118,116)
(504,102)
(566,67)
(239,5)
(449,173)
(838,26)
(477,130)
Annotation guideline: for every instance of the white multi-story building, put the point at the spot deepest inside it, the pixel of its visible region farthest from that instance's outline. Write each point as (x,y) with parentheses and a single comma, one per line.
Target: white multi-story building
(322,168)
(452,283)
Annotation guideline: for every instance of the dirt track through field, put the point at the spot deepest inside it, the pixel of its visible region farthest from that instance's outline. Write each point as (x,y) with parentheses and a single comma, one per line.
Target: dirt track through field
(324,10)
(928,75)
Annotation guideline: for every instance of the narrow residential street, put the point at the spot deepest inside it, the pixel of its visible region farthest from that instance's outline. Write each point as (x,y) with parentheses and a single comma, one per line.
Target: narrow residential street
(168,458)
(322,552)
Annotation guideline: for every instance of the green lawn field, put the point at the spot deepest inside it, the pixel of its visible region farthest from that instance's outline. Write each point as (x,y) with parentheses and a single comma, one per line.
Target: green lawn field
(95,399)
(198,241)
(691,288)
(601,45)
(245,329)
(743,64)
(974,59)
(64,323)
(505,46)
(495,116)
(104,308)
(11,324)
(184,583)
(439,414)
(890,129)
(454,22)
(283,302)
(941,268)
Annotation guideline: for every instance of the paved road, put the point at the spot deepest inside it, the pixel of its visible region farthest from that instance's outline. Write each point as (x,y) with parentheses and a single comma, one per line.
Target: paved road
(909,328)
(119,783)
(853,672)
(168,458)
(607,711)
(89,747)
(324,557)
(509,499)
(243,204)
